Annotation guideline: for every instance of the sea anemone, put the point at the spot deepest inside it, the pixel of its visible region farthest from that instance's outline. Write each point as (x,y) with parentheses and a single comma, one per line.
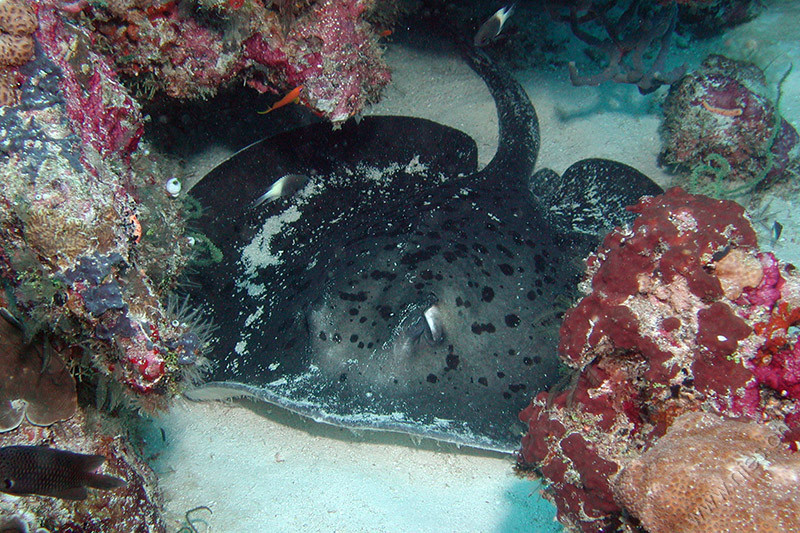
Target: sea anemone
(190,335)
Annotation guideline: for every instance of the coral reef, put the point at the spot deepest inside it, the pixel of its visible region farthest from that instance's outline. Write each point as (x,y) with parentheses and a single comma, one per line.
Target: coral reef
(682,313)
(629,31)
(136,507)
(91,241)
(722,129)
(341,73)
(17,24)
(189,51)
(711,474)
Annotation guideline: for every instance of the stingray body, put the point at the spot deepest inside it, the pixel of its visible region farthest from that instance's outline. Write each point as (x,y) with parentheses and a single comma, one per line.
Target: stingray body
(400,288)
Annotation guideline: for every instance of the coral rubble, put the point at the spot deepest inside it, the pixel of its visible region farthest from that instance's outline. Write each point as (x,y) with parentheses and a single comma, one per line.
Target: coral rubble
(682,313)
(189,50)
(722,128)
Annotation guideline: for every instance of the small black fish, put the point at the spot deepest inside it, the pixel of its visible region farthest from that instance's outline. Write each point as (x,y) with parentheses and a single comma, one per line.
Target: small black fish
(493,26)
(51,472)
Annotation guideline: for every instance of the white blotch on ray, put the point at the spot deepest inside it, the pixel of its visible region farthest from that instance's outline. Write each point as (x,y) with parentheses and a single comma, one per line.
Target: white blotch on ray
(254,290)
(254,316)
(259,253)
(415,167)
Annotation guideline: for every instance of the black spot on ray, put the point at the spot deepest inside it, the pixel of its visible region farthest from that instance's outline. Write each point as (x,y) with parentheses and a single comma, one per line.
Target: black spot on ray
(358,297)
(479,329)
(487,294)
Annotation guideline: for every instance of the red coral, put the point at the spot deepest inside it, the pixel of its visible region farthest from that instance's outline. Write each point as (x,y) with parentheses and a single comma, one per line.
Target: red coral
(777,363)
(102,113)
(657,337)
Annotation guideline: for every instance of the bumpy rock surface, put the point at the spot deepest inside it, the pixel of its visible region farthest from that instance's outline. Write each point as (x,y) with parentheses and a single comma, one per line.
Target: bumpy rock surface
(710,474)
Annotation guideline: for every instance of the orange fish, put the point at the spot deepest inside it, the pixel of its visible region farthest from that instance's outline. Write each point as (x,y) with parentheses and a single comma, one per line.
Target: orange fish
(292,97)
(385,33)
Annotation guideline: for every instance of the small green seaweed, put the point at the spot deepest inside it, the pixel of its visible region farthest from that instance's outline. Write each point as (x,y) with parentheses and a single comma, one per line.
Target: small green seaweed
(192,208)
(204,251)
(721,172)
(719,169)
(191,522)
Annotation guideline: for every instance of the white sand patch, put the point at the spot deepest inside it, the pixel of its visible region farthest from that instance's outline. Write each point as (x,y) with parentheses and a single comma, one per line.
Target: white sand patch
(268,470)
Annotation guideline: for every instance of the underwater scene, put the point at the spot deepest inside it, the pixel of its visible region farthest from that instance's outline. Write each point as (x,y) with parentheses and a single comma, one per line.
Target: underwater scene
(399,266)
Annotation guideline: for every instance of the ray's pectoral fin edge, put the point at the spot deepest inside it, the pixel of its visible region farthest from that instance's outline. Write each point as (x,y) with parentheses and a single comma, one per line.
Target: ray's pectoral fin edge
(592,194)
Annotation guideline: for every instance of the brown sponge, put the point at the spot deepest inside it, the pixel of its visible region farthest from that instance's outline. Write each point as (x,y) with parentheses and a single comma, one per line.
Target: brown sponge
(17,25)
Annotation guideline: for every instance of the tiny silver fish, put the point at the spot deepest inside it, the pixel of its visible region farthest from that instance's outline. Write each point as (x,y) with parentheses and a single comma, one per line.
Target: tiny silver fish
(285,186)
(777,229)
(26,470)
(493,26)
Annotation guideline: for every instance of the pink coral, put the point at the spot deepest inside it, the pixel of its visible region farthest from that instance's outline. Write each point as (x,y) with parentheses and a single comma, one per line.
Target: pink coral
(769,290)
(338,72)
(105,116)
(326,46)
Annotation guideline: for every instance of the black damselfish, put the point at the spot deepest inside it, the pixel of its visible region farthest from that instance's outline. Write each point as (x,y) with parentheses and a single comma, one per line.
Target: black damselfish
(47,471)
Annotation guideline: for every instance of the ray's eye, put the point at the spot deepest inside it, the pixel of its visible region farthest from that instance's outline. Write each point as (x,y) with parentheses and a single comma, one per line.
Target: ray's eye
(433,318)
(8,483)
(417,329)
(429,325)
